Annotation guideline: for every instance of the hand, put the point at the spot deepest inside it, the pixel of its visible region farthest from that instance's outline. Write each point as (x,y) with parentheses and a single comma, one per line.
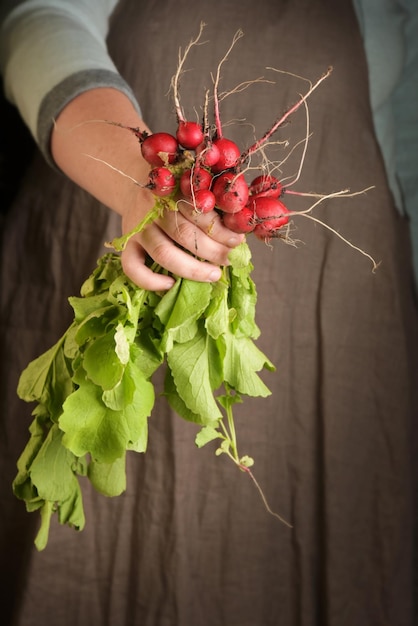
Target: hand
(202,235)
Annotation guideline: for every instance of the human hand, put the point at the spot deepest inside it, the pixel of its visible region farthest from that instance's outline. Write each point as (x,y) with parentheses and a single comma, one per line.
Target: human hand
(171,238)
(169,241)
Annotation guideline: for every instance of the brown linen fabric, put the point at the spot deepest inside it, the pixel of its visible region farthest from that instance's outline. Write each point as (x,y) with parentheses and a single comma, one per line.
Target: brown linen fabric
(190,542)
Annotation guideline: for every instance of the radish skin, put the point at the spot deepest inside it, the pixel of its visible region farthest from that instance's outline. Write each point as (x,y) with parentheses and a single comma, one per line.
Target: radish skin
(194,179)
(231,192)
(266,185)
(160,149)
(229,154)
(204,201)
(189,134)
(241,222)
(162,181)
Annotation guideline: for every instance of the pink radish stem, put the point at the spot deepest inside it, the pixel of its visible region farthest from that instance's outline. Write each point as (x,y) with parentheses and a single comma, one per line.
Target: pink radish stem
(260,142)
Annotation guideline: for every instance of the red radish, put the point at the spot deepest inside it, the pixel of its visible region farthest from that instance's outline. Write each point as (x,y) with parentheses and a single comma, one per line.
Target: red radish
(229,154)
(204,201)
(162,182)
(160,148)
(207,153)
(198,177)
(240,222)
(266,185)
(189,134)
(270,215)
(231,192)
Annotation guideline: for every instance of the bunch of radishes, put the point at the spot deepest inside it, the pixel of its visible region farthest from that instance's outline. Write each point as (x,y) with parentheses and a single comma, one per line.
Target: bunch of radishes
(201,166)
(207,172)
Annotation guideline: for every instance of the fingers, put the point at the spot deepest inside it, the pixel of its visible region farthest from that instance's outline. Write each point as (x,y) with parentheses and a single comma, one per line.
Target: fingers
(167,241)
(133,265)
(209,223)
(204,235)
(168,255)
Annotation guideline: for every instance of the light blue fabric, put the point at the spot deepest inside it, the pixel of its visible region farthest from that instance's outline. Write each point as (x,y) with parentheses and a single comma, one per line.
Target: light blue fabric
(43,42)
(390,33)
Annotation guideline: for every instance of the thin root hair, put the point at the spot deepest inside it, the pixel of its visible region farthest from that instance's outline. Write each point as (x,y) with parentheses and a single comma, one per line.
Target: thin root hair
(239,33)
(305,147)
(176,78)
(243,86)
(346,241)
(115,169)
(263,497)
(286,72)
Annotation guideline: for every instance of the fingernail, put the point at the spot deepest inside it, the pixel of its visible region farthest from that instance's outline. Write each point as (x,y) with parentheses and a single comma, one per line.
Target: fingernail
(233,241)
(214,276)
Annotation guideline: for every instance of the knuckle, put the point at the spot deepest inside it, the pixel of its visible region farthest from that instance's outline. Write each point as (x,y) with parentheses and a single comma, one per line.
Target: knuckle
(185,232)
(162,253)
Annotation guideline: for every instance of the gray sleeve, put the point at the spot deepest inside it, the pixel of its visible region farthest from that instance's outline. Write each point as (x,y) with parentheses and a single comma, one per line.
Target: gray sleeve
(50,52)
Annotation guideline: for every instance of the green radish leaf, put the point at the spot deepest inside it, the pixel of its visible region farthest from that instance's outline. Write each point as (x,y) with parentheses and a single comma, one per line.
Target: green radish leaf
(47,380)
(107,270)
(216,351)
(191,301)
(228,400)
(176,402)
(61,385)
(132,300)
(217,314)
(122,347)
(71,511)
(138,411)
(141,444)
(224,447)
(35,378)
(51,470)
(102,364)
(243,299)
(146,353)
(22,484)
(71,348)
(206,435)
(243,359)
(246,461)
(97,323)
(181,334)
(240,258)
(34,504)
(91,427)
(121,290)
(189,367)
(79,376)
(88,306)
(122,394)
(165,306)
(108,478)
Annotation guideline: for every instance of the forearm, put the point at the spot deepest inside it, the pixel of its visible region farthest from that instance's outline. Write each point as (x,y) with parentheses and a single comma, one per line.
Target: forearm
(102,158)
